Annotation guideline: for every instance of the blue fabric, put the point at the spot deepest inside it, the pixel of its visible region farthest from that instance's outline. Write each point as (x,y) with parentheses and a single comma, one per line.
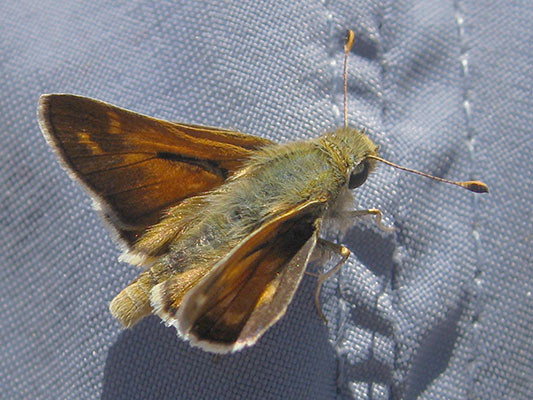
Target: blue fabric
(440,309)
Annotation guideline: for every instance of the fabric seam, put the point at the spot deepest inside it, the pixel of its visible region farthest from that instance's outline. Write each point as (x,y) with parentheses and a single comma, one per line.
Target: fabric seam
(341,309)
(473,288)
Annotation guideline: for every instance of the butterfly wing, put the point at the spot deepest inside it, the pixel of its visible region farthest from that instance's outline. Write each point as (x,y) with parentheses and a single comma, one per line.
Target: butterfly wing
(249,289)
(136,166)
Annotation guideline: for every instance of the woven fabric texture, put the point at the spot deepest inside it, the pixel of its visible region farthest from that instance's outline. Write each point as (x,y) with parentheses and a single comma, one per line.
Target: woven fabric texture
(439,309)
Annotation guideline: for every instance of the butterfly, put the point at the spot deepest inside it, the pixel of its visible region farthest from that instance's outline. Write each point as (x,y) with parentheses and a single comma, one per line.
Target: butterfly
(223,223)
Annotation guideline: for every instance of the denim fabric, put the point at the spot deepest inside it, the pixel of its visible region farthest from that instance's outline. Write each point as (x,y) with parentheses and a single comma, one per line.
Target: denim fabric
(439,309)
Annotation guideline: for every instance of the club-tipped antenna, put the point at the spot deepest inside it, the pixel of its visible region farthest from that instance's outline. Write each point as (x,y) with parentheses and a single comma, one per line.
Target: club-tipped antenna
(473,186)
(347,48)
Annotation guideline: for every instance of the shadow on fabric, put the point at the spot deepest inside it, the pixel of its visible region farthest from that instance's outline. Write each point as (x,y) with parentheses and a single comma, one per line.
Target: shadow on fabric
(292,360)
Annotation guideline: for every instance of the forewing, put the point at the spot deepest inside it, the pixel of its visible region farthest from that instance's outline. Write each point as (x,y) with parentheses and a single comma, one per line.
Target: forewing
(136,166)
(250,289)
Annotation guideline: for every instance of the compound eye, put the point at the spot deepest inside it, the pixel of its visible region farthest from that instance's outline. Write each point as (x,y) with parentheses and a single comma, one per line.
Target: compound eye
(358,175)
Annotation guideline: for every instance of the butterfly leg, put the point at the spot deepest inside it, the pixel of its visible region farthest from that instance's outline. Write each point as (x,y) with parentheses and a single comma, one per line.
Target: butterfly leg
(372,211)
(341,251)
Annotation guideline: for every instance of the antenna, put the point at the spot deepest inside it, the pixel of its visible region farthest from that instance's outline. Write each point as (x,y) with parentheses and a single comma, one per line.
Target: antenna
(347,49)
(473,186)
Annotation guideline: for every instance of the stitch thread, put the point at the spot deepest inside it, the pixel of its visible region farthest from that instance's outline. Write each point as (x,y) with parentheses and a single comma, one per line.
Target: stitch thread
(475,288)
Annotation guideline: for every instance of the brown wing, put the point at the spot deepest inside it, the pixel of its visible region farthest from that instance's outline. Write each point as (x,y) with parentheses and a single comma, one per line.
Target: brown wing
(250,289)
(136,166)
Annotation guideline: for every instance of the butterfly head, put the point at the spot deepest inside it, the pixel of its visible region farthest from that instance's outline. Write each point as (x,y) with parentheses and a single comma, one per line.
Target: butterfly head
(352,148)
